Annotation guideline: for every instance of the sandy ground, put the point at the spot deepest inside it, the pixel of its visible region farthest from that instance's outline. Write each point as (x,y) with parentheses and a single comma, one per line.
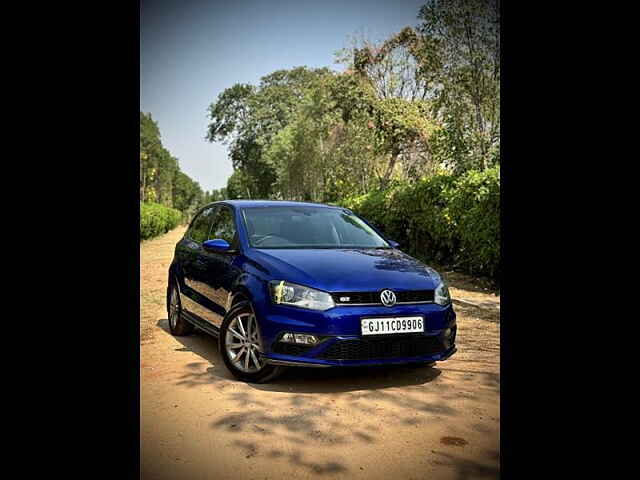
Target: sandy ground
(197,422)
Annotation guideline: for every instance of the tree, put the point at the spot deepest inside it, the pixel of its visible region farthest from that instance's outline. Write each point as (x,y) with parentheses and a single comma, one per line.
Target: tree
(161,180)
(400,73)
(150,147)
(316,135)
(247,118)
(167,169)
(399,126)
(464,35)
(239,185)
(187,194)
(399,67)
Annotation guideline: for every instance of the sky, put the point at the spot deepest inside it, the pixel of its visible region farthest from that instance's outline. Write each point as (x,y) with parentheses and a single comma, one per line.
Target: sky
(191,51)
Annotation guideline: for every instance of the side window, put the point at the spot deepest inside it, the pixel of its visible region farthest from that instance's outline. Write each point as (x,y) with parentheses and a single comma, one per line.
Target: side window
(199,231)
(224,226)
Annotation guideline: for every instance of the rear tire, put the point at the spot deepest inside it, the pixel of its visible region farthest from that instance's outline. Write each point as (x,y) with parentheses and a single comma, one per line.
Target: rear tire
(240,343)
(178,326)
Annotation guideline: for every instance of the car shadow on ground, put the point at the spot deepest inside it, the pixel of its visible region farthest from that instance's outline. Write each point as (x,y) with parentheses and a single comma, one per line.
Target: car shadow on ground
(206,347)
(349,379)
(312,432)
(304,379)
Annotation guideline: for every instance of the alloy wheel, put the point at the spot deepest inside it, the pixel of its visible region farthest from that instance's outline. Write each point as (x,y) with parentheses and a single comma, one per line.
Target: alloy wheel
(242,343)
(174,308)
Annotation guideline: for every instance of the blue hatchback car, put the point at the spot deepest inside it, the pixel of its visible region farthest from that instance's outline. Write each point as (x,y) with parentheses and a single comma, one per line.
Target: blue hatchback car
(302,284)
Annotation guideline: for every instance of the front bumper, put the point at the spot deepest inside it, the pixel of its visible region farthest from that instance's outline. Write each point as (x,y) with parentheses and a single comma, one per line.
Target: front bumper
(342,343)
(291,361)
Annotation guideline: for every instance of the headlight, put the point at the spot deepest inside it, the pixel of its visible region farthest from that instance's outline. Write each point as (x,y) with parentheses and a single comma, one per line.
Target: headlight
(442,296)
(286,293)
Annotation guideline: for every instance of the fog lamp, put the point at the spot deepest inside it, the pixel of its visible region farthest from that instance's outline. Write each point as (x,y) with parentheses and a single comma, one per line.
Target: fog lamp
(302,338)
(288,338)
(305,339)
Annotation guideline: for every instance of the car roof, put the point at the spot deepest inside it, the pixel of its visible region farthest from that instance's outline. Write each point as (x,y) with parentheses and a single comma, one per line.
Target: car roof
(273,203)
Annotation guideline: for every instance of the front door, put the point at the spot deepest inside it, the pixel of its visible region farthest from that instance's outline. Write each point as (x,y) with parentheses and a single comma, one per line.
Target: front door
(196,293)
(220,269)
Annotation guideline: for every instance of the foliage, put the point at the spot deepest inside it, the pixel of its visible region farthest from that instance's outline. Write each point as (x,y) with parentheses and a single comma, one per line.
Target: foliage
(156,219)
(214,196)
(187,194)
(464,38)
(247,118)
(399,67)
(240,185)
(318,140)
(444,218)
(476,210)
(422,100)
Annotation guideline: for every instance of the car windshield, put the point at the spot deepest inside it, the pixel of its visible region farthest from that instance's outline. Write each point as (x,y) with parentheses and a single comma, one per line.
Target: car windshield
(308,227)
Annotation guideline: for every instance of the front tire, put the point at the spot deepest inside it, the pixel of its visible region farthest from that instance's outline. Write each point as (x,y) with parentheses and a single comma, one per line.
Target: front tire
(240,346)
(178,326)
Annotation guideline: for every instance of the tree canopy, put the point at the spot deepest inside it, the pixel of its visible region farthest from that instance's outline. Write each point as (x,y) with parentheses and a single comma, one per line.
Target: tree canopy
(423,101)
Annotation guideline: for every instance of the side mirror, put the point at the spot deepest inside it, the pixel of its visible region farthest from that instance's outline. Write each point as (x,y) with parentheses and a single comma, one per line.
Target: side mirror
(394,244)
(216,246)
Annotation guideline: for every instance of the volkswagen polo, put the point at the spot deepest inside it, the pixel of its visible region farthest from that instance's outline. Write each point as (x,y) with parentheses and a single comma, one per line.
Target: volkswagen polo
(301,284)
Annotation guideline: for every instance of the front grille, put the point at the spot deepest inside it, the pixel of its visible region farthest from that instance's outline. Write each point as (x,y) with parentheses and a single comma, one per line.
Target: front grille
(357,297)
(415,296)
(290,348)
(387,347)
(373,298)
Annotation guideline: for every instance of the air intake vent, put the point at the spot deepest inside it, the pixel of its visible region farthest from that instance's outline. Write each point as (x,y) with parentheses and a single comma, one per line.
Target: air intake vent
(372,349)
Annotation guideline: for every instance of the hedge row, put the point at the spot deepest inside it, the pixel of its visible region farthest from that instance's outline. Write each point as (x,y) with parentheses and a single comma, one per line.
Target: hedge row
(156,219)
(446,219)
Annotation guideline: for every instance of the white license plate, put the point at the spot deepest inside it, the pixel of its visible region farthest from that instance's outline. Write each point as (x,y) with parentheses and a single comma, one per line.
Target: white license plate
(381,326)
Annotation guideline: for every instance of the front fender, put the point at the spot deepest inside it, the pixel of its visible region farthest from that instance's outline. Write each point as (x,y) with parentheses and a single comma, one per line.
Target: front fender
(247,287)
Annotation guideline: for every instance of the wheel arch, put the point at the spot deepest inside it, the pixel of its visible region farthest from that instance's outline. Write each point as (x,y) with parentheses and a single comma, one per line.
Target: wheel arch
(246,287)
(173,278)
(240,294)
(173,273)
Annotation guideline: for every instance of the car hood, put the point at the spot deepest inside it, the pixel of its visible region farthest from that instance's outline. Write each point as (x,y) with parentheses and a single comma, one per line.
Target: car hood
(347,270)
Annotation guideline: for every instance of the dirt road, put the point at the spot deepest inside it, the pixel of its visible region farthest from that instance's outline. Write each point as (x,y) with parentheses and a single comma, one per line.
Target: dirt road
(197,422)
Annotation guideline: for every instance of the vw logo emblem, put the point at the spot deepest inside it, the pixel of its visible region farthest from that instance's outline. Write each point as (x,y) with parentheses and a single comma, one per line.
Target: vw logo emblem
(388,298)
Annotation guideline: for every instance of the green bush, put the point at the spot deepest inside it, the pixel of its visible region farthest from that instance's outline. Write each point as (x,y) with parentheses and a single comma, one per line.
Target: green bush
(447,219)
(157,219)
(475,207)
